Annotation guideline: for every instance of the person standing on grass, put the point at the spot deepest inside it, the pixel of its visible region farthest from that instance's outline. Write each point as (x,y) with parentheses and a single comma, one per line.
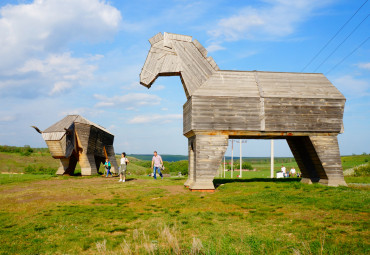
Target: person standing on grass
(292,171)
(283,169)
(156,165)
(108,166)
(122,170)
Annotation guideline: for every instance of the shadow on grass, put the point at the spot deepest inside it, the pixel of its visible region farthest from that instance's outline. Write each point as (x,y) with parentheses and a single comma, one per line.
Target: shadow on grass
(218,182)
(130,179)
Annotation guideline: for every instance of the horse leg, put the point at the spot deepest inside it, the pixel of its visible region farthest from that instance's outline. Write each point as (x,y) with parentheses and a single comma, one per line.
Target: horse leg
(63,166)
(88,164)
(318,159)
(302,150)
(327,151)
(67,166)
(208,153)
(190,179)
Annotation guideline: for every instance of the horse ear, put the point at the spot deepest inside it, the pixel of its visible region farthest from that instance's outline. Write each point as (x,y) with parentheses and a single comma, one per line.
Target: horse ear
(167,41)
(156,38)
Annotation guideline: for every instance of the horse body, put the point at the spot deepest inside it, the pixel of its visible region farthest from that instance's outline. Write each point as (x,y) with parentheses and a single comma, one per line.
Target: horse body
(305,109)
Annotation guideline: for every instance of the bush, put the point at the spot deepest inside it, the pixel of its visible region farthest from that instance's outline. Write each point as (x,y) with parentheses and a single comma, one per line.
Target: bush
(245,165)
(31,169)
(143,163)
(176,167)
(362,170)
(236,165)
(24,151)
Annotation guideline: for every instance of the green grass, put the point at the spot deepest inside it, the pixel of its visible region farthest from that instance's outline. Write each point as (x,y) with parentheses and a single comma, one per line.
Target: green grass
(16,163)
(44,214)
(352,161)
(357,179)
(17,178)
(252,216)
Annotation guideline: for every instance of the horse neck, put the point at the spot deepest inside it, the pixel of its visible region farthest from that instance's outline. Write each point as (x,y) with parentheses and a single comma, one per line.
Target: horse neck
(196,69)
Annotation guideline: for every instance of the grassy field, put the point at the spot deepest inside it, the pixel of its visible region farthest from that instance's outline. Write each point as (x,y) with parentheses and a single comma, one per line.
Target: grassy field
(45,214)
(16,163)
(95,215)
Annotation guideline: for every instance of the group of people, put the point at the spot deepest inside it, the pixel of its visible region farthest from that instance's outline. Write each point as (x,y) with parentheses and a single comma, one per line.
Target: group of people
(291,173)
(157,166)
(122,168)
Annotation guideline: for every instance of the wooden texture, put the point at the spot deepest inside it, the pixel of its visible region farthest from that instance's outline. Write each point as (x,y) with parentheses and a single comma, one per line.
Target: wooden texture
(208,152)
(75,138)
(318,159)
(250,104)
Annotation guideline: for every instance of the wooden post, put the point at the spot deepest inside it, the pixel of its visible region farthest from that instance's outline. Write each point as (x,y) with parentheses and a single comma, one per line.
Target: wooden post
(272,158)
(240,175)
(232,159)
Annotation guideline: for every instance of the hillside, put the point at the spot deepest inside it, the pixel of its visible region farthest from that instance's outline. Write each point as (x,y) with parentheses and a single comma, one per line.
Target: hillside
(165,157)
(33,160)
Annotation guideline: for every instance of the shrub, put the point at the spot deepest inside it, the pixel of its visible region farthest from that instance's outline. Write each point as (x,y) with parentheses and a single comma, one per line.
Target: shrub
(362,170)
(245,165)
(236,165)
(178,166)
(143,163)
(24,151)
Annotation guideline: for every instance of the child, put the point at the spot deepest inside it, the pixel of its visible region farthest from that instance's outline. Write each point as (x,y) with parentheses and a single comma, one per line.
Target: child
(108,166)
(122,171)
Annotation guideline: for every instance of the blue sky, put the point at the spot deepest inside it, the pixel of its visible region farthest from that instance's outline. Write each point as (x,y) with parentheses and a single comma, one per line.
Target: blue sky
(84,57)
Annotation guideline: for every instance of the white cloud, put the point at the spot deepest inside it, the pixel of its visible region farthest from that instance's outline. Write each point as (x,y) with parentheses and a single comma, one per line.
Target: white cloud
(7,118)
(82,111)
(364,66)
(214,47)
(133,85)
(48,25)
(130,101)
(57,73)
(34,35)
(158,87)
(352,87)
(142,119)
(60,87)
(275,19)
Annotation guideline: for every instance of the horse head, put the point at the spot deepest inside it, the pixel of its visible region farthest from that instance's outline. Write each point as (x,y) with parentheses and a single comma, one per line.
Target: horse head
(162,60)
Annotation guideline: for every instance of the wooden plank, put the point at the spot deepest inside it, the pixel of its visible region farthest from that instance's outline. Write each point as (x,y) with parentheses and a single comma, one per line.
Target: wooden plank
(156,38)
(200,47)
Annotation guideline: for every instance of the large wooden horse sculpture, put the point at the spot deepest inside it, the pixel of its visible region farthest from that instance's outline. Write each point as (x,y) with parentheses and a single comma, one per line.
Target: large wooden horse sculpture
(303,108)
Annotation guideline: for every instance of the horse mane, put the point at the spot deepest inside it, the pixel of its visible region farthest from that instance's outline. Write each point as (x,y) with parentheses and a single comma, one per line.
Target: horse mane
(167,37)
(204,53)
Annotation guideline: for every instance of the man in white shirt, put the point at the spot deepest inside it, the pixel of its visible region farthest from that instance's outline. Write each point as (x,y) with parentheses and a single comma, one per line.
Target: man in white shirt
(283,169)
(156,165)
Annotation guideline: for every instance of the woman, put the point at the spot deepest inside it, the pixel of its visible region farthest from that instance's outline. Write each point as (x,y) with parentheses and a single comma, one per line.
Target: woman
(122,171)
